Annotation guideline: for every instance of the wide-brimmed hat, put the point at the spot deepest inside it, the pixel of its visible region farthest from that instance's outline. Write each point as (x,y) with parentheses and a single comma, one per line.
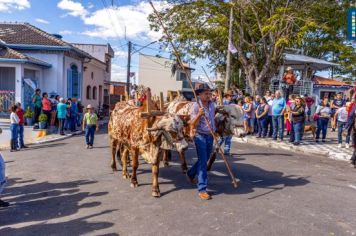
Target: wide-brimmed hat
(289,68)
(202,88)
(89,107)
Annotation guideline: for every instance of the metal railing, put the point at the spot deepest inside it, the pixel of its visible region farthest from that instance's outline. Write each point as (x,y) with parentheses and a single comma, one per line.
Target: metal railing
(297,89)
(7,98)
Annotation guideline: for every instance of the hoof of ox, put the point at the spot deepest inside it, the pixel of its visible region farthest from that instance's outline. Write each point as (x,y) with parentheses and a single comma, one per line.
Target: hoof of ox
(134,185)
(113,167)
(125,176)
(156,194)
(166,164)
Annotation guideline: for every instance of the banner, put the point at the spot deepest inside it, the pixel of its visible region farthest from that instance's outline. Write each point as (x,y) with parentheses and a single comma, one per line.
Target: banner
(351,24)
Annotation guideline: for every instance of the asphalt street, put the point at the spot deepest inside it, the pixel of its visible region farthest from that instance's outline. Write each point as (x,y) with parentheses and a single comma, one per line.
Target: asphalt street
(62,188)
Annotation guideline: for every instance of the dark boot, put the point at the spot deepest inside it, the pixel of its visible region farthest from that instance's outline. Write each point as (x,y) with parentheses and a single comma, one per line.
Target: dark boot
(13,146)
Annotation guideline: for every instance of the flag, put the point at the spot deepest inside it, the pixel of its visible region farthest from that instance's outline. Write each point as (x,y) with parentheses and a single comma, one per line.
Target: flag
(232,48)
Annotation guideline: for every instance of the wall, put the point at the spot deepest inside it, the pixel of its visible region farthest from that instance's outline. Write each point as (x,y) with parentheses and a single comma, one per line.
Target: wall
(99,75)
(52,79)
(156,74)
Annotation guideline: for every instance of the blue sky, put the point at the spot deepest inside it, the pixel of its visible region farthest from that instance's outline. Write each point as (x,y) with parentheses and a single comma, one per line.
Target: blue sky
(92,21)
(95,21)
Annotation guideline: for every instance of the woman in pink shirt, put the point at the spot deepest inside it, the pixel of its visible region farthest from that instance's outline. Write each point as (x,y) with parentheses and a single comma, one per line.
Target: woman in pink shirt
(46,107)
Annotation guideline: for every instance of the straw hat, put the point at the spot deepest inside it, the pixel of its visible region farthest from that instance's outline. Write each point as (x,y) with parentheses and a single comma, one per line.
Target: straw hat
(89,106)
(289,68)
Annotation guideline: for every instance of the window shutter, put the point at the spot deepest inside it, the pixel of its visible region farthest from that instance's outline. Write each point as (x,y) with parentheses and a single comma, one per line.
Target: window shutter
(69,83)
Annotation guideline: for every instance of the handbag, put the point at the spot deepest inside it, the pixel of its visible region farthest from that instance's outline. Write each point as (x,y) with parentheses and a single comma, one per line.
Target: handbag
(316,116)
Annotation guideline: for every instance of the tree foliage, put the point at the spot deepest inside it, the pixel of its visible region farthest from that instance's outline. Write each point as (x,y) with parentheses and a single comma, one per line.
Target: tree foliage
(262,30)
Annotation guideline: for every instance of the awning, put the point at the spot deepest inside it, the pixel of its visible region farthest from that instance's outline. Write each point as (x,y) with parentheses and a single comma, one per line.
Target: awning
(313,63)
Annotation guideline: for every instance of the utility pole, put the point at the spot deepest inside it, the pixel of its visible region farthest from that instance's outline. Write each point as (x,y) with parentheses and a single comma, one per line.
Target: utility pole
(128,69)
(228,59)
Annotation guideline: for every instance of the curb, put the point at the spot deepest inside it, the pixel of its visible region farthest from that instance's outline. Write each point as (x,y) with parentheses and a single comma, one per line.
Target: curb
(46,141)
(297,149)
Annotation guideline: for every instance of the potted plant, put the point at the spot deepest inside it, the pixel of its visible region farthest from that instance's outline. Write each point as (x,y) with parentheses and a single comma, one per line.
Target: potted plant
(29,116)
(42,121)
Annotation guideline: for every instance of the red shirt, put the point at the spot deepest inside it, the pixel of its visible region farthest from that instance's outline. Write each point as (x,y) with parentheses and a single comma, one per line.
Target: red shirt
(20,113)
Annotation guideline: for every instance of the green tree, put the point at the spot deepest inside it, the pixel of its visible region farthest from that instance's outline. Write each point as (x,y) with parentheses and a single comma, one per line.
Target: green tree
(262,30)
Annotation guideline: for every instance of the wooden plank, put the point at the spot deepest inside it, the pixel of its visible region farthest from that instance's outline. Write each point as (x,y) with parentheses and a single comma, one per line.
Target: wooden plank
(161,101)
(152,113)
(149,101)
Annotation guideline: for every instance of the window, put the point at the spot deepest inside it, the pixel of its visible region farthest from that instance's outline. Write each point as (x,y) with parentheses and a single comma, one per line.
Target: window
(94,93)
(73,82)
(92,75)
(88,92)
(181,76)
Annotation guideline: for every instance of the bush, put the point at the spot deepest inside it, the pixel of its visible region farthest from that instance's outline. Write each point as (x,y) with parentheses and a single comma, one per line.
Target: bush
(29,113)
(42,118)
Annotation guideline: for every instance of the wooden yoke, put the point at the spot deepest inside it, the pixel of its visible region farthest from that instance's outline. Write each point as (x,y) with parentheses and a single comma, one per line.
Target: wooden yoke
(149,112)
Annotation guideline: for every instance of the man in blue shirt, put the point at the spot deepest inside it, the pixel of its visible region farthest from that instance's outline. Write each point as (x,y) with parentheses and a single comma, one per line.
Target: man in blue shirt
(278,108)
(203,138)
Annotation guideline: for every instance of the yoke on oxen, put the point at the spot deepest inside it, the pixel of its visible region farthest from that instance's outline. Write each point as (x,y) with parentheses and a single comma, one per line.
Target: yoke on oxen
(142,130)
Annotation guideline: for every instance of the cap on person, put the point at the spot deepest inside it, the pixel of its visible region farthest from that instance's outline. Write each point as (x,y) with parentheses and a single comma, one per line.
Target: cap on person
(89,106)
(202,88)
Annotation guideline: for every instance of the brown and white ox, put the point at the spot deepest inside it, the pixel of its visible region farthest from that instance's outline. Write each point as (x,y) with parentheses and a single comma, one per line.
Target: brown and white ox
(129,133)
(227,119)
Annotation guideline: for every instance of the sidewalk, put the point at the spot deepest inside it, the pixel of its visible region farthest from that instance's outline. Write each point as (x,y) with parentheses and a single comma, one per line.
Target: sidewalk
(37,136)
(308,146)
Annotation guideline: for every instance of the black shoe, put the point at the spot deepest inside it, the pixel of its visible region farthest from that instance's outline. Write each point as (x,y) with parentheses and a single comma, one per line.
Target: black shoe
(296,143)
(323,140)
(4,204)
(24,146)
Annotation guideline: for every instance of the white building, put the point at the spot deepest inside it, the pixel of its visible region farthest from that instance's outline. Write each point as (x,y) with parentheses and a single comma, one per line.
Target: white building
(31,58)
(156,73)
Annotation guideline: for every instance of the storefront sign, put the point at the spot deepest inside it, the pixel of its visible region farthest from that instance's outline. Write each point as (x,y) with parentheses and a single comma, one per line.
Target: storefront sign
(351,24)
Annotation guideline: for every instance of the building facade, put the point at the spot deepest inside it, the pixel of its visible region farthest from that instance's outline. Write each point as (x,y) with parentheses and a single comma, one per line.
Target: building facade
(96,73)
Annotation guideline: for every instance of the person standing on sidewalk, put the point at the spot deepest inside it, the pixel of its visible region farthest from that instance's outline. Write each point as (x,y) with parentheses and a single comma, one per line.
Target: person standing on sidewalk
(297,114)
(61,115)
(342,116)
(80,113)
(248,110)
(261,115)
(37,104)
(46,108)
(337,103)
(20,113)
(14,128)
(90,125)
(203,139)
(278,108)
(269,117)
(309,101)
(73,115)
(323,114)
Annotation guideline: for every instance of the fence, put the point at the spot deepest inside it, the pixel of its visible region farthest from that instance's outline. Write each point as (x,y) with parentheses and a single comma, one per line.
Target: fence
(7,98)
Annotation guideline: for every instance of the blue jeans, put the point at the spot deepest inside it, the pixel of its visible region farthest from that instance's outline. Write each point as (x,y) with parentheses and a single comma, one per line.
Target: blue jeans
(14,128)
(227,146)
(89,134)
(73,123)
(61,123)
(340,128)
(269,126)
(204,146)
(278,126)
(262,127)
(296,132)
(322,124)
(21,143)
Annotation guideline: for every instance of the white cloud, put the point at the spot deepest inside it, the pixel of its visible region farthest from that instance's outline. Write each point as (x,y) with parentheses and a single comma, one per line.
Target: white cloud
(65,32)
(118,73)
(8,5)
(73,8)
(42,21)
(115,22)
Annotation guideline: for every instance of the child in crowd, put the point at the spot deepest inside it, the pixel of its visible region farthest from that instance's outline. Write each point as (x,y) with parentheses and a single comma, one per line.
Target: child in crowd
(90,125)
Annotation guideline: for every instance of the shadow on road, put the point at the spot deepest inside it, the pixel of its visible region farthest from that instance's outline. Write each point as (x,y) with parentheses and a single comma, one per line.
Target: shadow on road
(44,146)
(45,201)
